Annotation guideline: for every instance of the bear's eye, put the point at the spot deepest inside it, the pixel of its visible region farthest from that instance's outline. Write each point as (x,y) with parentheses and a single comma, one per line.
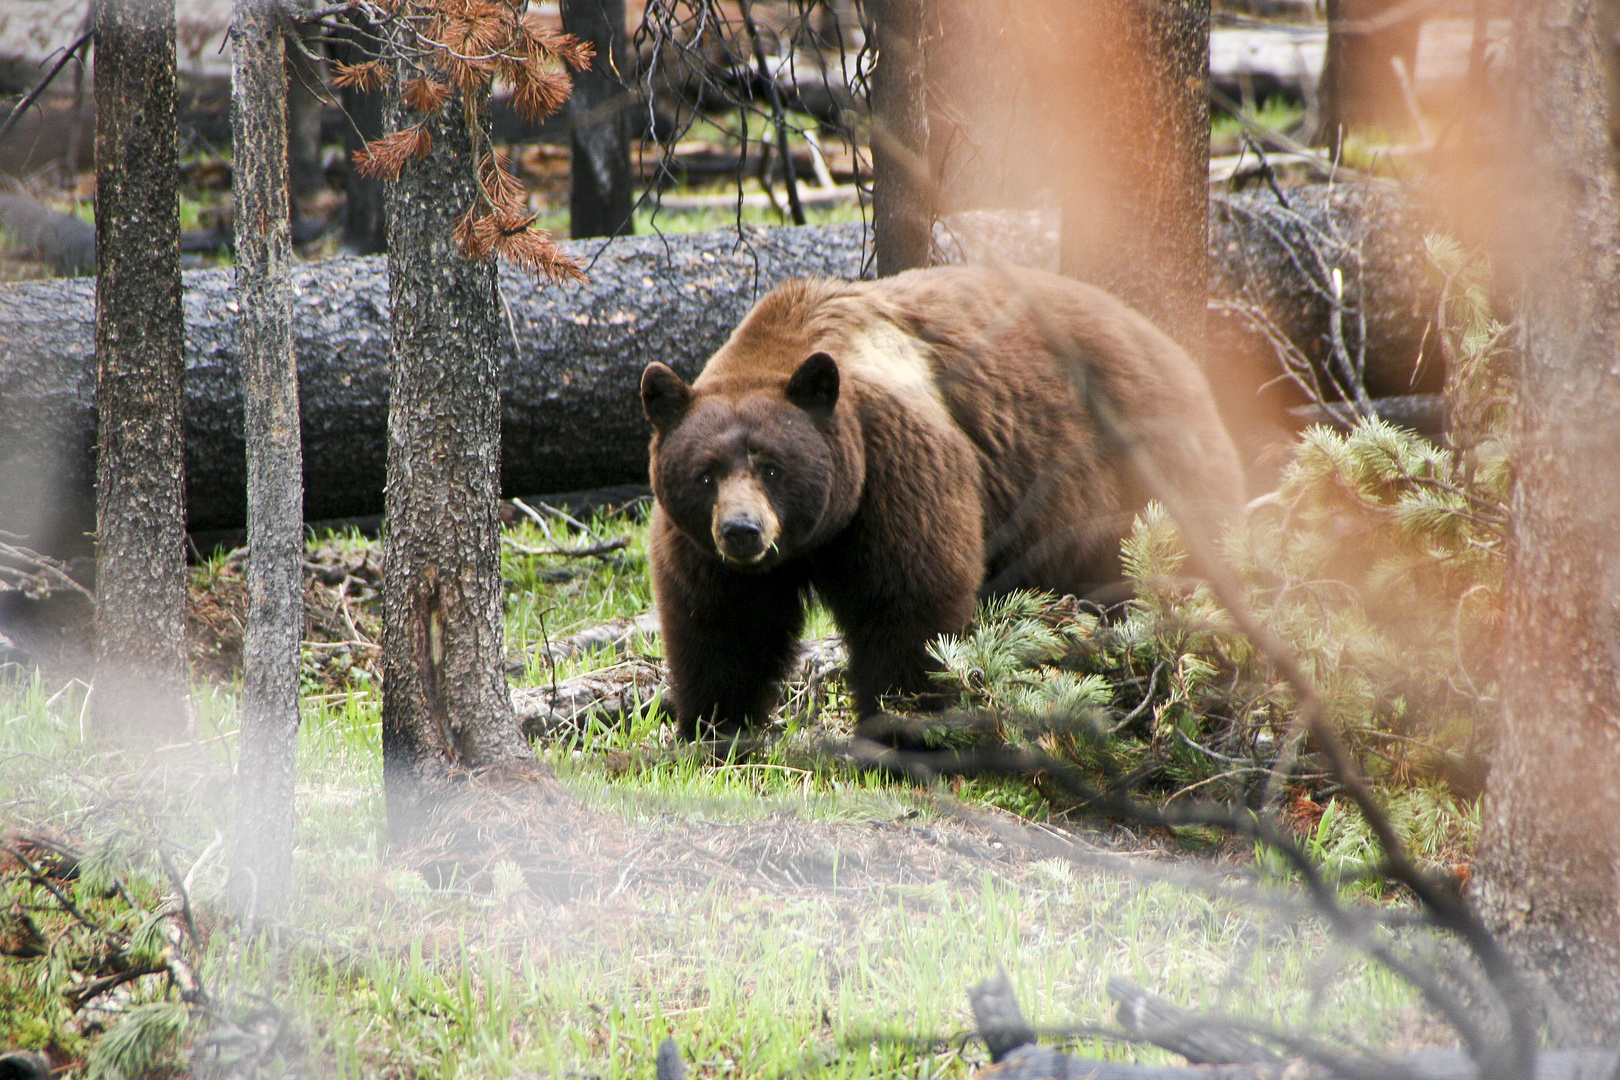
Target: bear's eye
(706,477)
(770,472)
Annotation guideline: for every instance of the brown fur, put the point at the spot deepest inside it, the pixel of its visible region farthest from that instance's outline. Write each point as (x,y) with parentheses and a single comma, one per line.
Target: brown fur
(956,458)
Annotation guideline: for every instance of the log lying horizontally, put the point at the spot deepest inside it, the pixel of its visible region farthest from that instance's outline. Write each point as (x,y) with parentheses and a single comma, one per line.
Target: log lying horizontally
(572,417)
(1219,1052)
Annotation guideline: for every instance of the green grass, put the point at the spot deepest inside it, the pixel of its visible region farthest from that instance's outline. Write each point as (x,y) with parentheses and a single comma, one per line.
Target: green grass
(381,976)
(1274,114)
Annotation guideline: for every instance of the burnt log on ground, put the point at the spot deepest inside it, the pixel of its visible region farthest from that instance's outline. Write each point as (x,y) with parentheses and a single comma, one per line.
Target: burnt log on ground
(1217,1050)
(572,417)
(572,414)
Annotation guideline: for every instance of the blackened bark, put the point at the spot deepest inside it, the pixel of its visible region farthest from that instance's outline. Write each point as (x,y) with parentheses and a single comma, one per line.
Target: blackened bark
(365,226)
(446,707)
(1135,114)
(141,687)
(1360,88)
(601,191)
(262,857)
(1546,868)
(902,185)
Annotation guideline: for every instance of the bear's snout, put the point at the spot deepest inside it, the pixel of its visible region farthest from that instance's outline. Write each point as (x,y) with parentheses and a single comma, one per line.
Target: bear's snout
(744,525)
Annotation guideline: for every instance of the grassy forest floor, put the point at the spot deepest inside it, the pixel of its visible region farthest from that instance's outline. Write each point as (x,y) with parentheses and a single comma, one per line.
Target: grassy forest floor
(778,915)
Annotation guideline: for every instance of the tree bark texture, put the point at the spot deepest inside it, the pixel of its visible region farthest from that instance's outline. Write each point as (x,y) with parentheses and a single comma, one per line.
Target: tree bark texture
(571,410)
(141,684)
(1097,106)
(601,190)
(902,186)
(1360,87)
(262,857)
(1137,126)
(1548,868)
(446,706)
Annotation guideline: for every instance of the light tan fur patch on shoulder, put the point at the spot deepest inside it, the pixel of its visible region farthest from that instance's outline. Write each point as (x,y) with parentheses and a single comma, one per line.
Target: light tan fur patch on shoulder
(871,349)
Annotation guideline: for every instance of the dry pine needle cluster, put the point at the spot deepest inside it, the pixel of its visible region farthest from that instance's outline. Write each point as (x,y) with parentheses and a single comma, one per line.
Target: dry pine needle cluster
(441,47)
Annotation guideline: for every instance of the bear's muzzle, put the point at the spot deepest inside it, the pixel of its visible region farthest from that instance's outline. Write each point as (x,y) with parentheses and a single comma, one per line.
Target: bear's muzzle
(744,526)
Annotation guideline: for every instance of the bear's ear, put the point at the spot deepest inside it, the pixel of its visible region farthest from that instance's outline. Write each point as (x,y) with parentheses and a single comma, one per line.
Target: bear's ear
(664,396)
(814,387)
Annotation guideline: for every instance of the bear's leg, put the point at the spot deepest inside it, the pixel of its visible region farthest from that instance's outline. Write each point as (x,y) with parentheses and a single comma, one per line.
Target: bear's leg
(728,637)
(890,599)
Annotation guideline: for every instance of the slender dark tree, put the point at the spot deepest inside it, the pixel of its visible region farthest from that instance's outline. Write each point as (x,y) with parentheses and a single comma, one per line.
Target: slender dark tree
(601,192)
(141,685)
(451,208)
(1546,868)
(365,226)
(1372,46)
(902,185)
(262,859)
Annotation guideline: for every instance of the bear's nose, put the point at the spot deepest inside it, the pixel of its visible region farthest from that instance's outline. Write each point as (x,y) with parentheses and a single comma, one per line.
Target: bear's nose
(741,534)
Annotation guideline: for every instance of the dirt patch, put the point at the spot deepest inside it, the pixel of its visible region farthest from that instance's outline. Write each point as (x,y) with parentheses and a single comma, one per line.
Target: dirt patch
(342,617)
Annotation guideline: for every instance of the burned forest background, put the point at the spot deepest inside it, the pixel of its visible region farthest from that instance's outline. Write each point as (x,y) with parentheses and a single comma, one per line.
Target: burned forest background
(355,369)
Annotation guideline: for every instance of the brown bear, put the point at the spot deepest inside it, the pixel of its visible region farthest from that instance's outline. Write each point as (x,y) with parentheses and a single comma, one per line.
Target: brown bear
(902,447)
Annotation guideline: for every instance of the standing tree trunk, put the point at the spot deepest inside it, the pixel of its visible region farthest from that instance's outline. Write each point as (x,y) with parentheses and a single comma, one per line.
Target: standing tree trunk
(1135,136)
(365,226)
(902,187)
(1360,86)
(1546,870)
(446,706)
(262,858)
(601,194)
(141,684)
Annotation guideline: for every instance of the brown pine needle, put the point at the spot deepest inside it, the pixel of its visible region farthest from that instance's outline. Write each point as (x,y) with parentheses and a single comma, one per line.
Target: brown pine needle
(425,96)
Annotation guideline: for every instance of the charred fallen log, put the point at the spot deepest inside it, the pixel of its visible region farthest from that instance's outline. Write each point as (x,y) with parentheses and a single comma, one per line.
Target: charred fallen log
(572,415)
(1217,1050)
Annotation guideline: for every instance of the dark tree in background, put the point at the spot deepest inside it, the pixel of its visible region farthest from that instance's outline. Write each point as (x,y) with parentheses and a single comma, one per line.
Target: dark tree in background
(601,191)
(902,186)
(365,226)
(1371,45)
(1135,124)
(1095,109)
(1546,868)
(141,684)
(262,857)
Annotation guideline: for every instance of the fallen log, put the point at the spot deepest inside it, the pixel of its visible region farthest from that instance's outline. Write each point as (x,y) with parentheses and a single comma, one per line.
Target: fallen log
(1217,1052)
(572,415)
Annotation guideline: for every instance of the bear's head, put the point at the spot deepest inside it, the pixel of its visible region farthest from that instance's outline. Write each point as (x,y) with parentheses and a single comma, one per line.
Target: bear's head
(756,474)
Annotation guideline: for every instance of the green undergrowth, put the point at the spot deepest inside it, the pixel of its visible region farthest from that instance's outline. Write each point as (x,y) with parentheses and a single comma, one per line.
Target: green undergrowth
(375,974)
(1377,561)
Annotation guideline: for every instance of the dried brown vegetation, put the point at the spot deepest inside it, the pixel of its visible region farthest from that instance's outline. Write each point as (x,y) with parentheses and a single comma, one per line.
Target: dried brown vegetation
(447,48)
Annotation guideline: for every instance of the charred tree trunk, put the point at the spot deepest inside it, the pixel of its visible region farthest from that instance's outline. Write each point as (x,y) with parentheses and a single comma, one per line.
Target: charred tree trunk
(305,89)
(1135,122)
(365,226)
(262,858)
(1361,85)
(446,707)
(902,187)
(601,191)
(1551,824)
(141,684)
